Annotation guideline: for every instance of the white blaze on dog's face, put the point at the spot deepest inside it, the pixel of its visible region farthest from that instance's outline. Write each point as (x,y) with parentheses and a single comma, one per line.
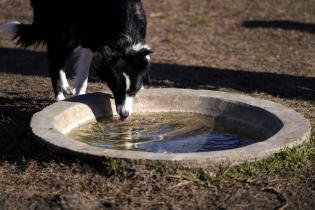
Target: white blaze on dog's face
(124,75)
(126,108)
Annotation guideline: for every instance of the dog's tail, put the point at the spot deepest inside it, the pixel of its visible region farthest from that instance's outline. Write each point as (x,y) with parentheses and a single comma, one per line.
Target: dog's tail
(25,35)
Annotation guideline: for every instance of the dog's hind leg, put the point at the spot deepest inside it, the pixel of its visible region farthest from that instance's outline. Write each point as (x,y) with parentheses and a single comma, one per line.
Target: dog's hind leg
(57,58)
(54,69)
(82,70)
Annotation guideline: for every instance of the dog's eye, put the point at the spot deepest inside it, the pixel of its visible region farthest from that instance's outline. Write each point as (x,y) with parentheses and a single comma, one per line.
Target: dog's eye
(131,93)
(134,89)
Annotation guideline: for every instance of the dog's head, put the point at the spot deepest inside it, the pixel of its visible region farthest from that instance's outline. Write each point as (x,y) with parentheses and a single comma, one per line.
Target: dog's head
(124,71)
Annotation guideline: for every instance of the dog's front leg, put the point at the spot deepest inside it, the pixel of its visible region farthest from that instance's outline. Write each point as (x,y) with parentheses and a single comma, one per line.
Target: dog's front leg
(82,70)
(64,85)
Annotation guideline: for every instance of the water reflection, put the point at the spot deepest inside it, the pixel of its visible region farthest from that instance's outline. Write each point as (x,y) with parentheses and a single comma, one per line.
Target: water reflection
(163,133)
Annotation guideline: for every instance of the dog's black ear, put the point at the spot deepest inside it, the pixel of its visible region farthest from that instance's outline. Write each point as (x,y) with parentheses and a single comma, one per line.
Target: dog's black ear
(142,53)
(140,57)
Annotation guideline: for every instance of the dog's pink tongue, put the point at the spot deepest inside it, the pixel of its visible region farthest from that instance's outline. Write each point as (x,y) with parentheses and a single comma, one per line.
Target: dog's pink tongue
(123,119)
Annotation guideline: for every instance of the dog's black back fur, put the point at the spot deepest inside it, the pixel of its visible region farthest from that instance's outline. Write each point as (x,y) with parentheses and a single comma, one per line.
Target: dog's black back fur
(91,23)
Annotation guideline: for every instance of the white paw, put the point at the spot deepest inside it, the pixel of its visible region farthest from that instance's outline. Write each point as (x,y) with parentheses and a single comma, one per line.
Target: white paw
(68,90)
(60,97)
(80,91)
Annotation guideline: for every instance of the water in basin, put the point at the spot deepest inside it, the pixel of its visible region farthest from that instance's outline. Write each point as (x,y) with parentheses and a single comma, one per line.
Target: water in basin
(169,132)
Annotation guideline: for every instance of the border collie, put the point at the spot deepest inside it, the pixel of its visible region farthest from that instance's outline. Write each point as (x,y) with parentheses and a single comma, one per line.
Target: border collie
(109,32)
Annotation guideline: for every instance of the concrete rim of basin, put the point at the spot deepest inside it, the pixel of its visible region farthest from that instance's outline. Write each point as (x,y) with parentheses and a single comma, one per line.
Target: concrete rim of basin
(282,126)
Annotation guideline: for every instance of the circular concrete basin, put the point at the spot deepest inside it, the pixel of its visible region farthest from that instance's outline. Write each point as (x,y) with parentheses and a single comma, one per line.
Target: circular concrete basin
(281,127)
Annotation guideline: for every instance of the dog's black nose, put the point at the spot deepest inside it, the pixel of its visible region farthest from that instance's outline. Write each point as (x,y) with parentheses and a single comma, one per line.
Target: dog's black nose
(124,114)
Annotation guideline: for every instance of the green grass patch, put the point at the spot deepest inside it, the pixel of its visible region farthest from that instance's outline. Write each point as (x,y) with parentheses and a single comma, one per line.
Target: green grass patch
(168,39)
(201,21)
(194,21)
(112,166)
(290,158)
(202,177)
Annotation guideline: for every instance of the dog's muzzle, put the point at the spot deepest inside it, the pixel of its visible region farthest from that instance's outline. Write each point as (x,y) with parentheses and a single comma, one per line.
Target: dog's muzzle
(125,109)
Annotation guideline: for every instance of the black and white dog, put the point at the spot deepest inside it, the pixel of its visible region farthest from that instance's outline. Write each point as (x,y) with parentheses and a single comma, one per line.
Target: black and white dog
(113,31)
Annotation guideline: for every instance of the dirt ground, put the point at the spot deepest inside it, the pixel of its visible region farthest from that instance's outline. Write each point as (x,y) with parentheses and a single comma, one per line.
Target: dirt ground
(260,48)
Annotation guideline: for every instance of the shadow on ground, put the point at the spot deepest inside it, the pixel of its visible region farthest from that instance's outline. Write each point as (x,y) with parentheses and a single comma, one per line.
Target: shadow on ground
(278,85)
(25,62)
(15,116)
(281,24)
(17,144)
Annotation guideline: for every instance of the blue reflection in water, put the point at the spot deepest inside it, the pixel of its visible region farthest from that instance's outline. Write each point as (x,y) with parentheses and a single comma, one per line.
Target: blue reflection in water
(200,143)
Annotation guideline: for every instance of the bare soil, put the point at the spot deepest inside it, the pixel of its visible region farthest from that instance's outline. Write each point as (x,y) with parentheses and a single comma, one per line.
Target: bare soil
(260,48)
